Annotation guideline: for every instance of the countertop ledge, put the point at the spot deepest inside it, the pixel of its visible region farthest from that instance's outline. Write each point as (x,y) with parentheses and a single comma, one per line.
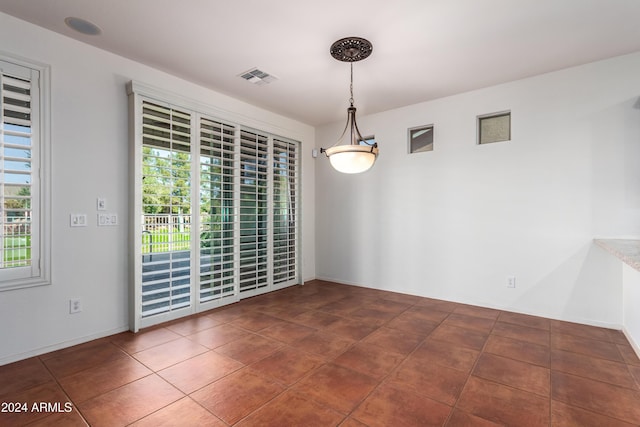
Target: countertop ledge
(626,249)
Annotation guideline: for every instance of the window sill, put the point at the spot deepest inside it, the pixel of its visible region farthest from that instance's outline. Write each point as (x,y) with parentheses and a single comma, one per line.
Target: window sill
(12,285)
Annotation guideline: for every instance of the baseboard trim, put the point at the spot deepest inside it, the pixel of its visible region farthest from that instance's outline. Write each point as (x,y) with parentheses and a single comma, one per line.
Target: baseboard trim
(59,346)
(634,345)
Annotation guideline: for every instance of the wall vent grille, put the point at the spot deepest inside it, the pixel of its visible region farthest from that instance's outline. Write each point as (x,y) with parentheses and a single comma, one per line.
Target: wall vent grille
(257,76)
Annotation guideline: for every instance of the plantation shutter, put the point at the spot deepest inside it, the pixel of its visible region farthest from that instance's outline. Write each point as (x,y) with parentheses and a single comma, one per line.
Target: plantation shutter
(166,219)
(285,210)
(253,250)
(19,189)
(217,211)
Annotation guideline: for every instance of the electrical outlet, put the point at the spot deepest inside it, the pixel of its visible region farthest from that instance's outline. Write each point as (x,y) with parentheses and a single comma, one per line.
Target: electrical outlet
(107,219)
(75,305)
(511,281)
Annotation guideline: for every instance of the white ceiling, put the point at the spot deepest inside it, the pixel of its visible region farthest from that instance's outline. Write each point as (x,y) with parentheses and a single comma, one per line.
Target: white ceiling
(422,49)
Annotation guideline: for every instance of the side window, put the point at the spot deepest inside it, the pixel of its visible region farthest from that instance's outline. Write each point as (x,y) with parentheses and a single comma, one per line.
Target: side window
(494,127)
(421,139)
(24,227)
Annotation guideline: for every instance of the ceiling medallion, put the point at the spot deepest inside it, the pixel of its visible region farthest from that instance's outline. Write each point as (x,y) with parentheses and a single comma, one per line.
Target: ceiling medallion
(351,49)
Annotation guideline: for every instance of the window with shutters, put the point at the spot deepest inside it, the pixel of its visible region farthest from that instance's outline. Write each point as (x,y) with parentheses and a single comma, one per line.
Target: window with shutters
(24,253)
(217,217)
(285,225)
(166,209)
(253,211)
(217,210)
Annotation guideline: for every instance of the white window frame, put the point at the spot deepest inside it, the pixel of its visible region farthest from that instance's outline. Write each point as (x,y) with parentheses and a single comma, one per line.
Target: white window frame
(39,273)
(139,94)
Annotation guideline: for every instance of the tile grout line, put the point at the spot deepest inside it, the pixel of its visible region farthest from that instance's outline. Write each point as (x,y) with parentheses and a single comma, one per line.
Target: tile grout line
(351,345)
(384,379)
(331,360)
(55,378)
(475,363)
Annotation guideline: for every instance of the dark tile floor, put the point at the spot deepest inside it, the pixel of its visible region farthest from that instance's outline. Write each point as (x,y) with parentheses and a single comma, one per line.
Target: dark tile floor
(324,355)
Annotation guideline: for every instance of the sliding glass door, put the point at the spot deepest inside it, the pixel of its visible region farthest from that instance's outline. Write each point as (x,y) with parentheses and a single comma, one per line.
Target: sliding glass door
(215,214)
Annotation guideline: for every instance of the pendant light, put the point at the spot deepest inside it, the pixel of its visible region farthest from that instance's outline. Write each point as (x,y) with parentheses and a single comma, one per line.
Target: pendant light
(358,155)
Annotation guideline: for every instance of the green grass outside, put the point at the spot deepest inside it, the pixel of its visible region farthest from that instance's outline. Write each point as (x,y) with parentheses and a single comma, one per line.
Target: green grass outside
(158,241)
(17,251)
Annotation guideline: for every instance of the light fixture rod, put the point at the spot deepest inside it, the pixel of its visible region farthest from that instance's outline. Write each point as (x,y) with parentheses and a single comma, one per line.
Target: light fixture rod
(351,86)
(355,136)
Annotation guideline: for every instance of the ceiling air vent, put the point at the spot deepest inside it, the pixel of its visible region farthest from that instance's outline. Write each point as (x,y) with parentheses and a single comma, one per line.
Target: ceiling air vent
(257,76)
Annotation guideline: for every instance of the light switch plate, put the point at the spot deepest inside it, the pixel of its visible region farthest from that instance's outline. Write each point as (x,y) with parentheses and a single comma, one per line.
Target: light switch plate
(101,204)
(78,220)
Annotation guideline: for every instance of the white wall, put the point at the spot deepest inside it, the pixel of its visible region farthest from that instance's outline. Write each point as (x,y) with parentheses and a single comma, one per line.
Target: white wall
(90,159)
(455,222)
(631,297)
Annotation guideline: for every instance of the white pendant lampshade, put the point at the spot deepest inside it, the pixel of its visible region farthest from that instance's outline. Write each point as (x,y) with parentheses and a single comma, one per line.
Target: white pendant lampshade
(352,158)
